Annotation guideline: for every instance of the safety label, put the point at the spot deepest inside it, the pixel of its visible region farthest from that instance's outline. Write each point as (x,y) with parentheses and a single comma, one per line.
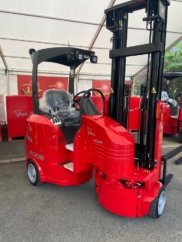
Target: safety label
(153,90)
(112,91)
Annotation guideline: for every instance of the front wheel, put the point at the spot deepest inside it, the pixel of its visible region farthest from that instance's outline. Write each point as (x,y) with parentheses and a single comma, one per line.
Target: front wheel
(33,174)
(157,206)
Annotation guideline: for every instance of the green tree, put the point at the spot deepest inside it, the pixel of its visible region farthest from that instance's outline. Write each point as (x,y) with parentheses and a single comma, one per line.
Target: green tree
(173,63)
(173,59)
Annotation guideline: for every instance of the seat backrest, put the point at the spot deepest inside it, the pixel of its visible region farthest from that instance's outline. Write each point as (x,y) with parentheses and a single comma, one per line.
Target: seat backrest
(58,100)
(58,103)
(88,107)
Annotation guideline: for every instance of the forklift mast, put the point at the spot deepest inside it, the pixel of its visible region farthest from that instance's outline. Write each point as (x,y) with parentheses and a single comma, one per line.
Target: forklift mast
(156,24)
(68,56)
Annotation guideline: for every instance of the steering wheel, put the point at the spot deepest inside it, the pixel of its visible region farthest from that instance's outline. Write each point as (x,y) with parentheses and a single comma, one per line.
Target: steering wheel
(75,100)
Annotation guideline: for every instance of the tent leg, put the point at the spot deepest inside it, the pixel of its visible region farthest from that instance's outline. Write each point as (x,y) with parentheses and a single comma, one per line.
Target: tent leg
(7,83)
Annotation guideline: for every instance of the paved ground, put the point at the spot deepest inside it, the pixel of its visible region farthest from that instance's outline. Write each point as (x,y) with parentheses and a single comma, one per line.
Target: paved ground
(12,151)
(51,213)
(15,150)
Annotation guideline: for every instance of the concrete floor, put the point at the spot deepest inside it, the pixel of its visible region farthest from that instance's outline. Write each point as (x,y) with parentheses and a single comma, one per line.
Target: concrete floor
(51,213)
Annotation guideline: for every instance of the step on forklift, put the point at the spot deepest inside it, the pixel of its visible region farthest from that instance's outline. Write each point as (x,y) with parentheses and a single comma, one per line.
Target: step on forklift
(129,177)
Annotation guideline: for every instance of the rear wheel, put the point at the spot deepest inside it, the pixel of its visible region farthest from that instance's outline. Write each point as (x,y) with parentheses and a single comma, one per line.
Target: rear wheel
(33,174)
(157,206)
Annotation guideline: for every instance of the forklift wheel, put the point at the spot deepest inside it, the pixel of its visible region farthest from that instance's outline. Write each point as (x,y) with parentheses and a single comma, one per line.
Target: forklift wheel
(33,174)
(157,206)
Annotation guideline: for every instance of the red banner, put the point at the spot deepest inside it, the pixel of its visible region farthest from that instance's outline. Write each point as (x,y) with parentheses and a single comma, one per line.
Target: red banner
(44,83)
(104,86)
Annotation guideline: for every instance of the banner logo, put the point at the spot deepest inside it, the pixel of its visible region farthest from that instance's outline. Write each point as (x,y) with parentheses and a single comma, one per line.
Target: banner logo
(20,113)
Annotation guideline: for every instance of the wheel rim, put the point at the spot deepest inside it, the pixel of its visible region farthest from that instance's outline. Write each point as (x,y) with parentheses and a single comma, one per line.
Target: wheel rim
(161,202)
(32,173)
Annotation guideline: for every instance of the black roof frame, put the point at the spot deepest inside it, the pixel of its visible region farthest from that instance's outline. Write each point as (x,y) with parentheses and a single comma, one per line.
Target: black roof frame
(59,55)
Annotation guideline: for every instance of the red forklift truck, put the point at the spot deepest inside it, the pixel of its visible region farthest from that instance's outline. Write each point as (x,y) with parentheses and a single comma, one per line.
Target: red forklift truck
(130,177)
(173,111)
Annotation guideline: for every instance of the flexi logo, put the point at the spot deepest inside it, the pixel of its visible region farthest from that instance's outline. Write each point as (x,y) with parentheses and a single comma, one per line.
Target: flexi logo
(90,132)
(98,141)
(28,137)
(20,113)
(36,155)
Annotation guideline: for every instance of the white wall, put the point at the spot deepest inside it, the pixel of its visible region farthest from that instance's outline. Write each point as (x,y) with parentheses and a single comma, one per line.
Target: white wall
(6,89)
(3,91)
(13,86)
(84,85)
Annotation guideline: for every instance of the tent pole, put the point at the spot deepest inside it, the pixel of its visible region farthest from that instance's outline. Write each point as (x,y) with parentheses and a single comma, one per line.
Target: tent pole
(6,70)
(97,33)
(3,59)
(76,83)
(7,83)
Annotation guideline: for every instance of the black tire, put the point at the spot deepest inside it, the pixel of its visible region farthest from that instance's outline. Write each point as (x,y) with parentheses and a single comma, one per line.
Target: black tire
(33,174)
(158,204)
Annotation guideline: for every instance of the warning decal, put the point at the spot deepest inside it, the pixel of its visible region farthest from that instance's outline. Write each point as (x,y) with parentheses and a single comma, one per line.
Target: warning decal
(153,90)
(112,91)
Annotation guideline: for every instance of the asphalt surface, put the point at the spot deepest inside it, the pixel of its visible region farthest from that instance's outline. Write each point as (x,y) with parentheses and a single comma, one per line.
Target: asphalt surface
(51,213)
(12,151)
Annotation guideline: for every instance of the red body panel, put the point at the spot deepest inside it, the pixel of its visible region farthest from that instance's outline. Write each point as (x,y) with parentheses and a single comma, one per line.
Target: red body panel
(158,140)
(103,144)
(171,123)
(120,200)
(45,145)
(134,112)
(109,146)
(180,116)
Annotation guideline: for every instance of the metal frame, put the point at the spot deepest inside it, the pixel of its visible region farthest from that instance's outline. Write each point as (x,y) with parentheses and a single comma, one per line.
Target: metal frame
(117,22)
(97,33)
(6,69)
(3,59)
(61,55)
(168,48)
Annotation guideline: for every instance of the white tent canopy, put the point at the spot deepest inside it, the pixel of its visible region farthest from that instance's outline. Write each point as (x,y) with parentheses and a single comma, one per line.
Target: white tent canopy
(42,24)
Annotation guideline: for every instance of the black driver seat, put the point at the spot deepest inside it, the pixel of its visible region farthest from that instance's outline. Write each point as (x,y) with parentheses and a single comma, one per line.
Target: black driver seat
(70,129)
(88,107)
(59,102)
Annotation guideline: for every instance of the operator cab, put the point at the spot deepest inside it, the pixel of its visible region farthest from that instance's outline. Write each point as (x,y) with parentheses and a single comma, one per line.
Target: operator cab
(171,103)
(59,105)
